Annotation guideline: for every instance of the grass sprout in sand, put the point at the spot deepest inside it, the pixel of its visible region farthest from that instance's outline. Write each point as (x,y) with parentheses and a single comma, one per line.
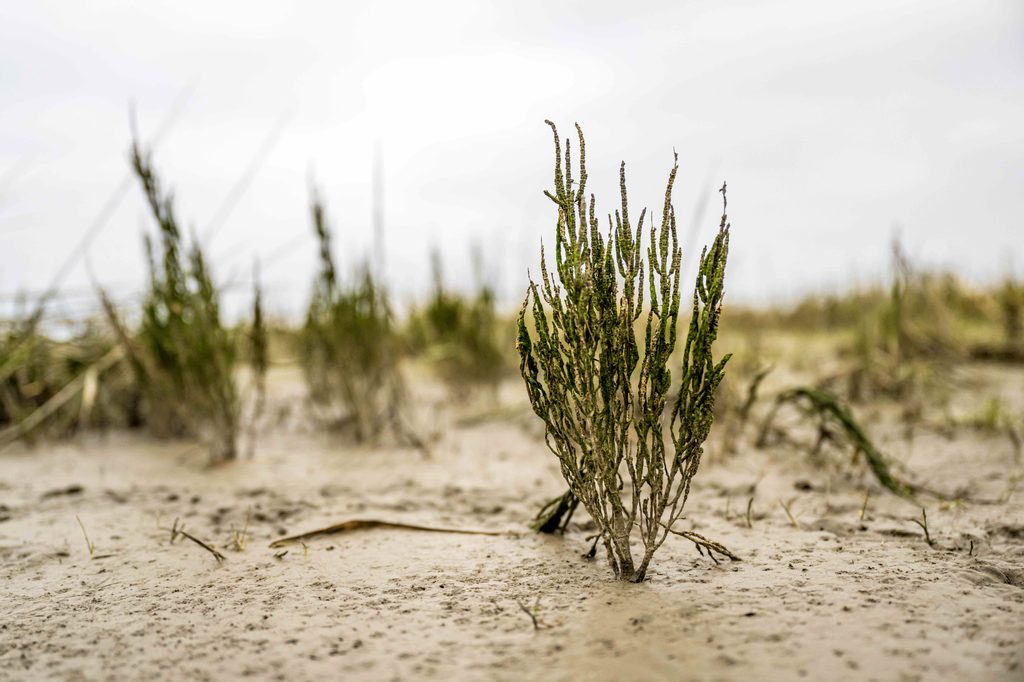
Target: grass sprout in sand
(601,383)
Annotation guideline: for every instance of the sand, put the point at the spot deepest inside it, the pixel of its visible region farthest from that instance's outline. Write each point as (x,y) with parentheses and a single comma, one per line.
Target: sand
(834,596)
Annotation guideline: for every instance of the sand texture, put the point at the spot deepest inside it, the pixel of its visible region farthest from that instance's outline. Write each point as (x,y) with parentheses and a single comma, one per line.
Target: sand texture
(832,596)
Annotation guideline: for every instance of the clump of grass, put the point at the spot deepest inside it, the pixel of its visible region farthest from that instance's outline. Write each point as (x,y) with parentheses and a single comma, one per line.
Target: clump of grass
(991,416)
(1009,301)
(52,387)
(600,384)
(349,346)
(183,354)
(902,347)
(35,372)
(460,334)
(1005,308)
(1010,297)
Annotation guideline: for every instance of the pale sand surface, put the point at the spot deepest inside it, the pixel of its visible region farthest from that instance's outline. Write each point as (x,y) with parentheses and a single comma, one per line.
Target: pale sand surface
(837,598)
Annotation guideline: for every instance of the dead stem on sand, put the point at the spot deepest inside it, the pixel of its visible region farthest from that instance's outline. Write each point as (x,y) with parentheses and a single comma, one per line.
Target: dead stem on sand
(216,555)
(923,522)
(366,524)
(532,613)
(176,531)
(709,545)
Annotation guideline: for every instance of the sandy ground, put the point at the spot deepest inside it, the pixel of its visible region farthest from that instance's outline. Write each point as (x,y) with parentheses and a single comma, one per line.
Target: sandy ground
(834,597)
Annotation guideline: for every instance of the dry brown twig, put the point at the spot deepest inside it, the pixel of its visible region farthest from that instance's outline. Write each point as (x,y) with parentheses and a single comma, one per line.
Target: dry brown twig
(177,530)
(923,522)
(532,613)
(216,555)
(366,524)
(708,545)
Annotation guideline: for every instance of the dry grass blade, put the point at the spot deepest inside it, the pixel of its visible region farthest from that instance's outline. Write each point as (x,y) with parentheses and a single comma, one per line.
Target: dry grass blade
(786,508)
(88,542)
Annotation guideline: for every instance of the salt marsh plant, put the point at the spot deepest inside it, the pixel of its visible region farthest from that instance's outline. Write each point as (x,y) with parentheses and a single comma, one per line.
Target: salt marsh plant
(600,378)
(184,356)
(349,347)
(459,334)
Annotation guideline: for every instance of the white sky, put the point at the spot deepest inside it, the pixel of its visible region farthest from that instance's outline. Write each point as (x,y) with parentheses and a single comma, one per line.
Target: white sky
(834,124)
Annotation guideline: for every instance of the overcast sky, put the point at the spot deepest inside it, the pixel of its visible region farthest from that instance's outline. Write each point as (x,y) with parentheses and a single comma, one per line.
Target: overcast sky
(835,124)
